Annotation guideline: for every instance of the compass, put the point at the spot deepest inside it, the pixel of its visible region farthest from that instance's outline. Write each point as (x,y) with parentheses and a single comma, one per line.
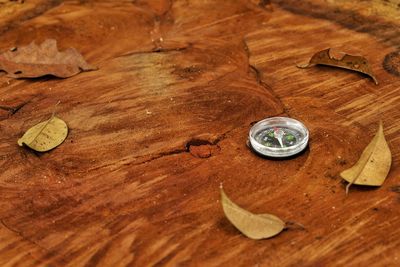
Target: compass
(278,137)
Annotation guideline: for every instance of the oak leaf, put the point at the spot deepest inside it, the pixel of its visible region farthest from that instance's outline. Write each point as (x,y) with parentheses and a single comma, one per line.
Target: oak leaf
(341,60)
(34,61)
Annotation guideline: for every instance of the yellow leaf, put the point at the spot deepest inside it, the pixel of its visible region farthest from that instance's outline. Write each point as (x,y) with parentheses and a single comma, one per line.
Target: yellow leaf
(254,226)
(45,135)
(374,164)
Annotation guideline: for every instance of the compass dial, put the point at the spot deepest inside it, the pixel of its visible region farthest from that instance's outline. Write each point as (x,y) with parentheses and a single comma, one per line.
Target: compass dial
(267,137)
(278,137)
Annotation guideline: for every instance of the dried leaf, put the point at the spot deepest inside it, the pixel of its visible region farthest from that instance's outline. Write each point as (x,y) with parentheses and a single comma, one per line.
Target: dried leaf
(341,60)
(374,164)
(38,60)
(254,226)
(46,135)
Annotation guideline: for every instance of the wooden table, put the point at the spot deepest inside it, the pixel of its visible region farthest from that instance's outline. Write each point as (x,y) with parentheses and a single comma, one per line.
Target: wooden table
(164,121)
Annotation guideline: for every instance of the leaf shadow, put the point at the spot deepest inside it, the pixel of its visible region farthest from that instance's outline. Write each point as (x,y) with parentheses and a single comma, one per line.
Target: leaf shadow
(29,151)
(225,225)
(359,188)
(339,69)
(44,78)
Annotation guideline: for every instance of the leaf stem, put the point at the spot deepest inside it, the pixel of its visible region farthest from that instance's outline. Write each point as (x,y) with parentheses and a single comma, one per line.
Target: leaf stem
(47,123)
(294,225)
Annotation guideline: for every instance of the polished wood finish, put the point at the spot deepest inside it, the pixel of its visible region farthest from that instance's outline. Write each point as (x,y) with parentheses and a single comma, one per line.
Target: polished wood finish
(164,121)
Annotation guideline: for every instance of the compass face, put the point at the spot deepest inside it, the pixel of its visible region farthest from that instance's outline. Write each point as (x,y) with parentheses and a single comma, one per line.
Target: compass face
(278,137)
(267,137)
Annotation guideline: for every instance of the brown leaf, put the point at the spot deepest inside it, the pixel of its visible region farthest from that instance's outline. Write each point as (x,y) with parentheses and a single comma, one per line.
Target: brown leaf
(374,164)
(38,60)
(254,226)
(341,60)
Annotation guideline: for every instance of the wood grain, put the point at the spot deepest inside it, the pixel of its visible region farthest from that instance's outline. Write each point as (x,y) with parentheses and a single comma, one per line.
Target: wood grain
(165,120)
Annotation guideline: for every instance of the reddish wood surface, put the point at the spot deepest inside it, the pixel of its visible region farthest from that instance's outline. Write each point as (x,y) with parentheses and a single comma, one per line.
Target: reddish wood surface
(164,121)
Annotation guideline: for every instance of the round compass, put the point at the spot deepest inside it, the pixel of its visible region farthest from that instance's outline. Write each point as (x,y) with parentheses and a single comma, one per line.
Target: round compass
(278,137)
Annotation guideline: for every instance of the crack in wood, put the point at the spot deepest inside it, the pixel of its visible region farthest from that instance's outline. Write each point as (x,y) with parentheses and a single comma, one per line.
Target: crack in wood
(30,14)
(266,4)
(11,229)
(24,238)
(386,31)
(158,50)
(192,141)
(176,151)
(157,34)
(259,78)
(13,110)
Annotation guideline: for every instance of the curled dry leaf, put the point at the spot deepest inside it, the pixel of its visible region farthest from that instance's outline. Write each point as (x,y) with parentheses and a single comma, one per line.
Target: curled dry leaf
(254,226)
(33,61)
(374,164)
(46,135)
(340,60)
